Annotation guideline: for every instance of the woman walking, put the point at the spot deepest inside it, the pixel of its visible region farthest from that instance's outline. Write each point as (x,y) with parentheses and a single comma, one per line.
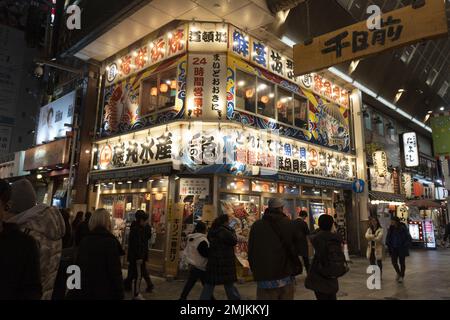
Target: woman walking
(99,260)
(374,235)
(398,241)
(221,266)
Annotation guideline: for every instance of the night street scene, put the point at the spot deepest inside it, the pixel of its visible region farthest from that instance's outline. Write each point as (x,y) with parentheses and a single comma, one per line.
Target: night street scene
(236,151)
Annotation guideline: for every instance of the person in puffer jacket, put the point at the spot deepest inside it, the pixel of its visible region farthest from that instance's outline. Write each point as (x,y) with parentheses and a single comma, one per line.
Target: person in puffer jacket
(197,256)
(42,222)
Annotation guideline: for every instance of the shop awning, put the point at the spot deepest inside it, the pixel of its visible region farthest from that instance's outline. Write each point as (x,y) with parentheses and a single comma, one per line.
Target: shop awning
(130,173)
(386,196)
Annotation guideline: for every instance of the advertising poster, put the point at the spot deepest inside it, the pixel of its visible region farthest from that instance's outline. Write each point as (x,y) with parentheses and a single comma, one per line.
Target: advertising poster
(242,216)
(429,234)
(381,183)
(53,116)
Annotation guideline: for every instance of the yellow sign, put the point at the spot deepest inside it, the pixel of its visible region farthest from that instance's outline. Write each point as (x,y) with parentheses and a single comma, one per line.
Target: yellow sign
(397,28)
(209,214)
(174,230)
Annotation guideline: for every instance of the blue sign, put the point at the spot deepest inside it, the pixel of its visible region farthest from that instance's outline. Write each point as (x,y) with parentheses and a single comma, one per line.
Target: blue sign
(358,186)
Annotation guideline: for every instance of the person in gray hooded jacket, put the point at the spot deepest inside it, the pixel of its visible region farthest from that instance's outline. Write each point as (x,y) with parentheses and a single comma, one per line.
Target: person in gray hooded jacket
(42,222)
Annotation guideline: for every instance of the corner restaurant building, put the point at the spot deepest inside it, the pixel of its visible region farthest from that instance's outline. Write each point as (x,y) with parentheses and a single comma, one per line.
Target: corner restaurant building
(203,120)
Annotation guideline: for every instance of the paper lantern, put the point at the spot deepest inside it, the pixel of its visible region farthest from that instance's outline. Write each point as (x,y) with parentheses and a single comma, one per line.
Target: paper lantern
(173,84)
(249,93)
(240,185)
(163,88)
(264,99)
(154,91)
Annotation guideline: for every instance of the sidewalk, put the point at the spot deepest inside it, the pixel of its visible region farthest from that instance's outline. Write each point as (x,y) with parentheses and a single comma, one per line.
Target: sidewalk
(427,277)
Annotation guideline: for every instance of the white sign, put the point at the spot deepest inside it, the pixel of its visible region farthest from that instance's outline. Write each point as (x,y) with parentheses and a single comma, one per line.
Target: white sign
(441,193)
(53,116)
(407,185)
(410,150)
(206,94)
(5,138)
(383,183)
(208,37)
(194,186)
(380,163)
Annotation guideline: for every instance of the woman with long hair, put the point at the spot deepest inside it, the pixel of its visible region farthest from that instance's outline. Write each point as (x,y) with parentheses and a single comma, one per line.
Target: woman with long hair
(374,236)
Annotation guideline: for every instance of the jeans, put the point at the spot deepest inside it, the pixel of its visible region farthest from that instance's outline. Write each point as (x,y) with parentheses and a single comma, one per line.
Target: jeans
(373,260)
(230,290)
(396,258)
(283,293)
(325,296)
(194,275)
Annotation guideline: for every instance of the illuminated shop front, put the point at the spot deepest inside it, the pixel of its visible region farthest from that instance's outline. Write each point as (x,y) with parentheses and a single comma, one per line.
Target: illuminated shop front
(205,120)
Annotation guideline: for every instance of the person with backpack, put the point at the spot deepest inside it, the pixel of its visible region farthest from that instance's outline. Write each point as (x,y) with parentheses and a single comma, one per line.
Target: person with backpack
(196,253)
(302,231)
(398,241)
(20,277)
(374,236)
(328,263)
(221,265)
(273,254)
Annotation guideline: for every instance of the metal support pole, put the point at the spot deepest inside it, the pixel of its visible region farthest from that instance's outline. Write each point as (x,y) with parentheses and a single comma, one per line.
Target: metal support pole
(74,140)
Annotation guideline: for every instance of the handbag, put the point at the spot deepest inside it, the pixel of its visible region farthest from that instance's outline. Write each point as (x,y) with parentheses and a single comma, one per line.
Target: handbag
(294,258)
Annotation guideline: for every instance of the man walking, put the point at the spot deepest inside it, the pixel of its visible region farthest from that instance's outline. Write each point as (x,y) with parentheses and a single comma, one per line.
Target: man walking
(273,255)
(302,230)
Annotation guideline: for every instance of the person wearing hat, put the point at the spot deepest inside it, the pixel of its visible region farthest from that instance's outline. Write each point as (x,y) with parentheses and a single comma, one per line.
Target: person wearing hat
(273,254)
(140,234)
(42,222)
(329,261)
(19,257)
(398,241)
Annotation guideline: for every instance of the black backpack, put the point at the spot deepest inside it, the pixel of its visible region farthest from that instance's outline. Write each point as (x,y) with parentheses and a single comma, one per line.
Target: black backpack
(332,264)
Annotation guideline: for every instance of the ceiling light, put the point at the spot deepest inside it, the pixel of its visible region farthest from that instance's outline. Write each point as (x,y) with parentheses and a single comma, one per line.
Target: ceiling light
(129,182)
(39,176)
(287,41)
(442,108)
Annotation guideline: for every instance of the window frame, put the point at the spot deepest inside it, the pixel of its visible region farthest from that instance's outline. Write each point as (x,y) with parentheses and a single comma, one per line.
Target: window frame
(276,86)
(159,108)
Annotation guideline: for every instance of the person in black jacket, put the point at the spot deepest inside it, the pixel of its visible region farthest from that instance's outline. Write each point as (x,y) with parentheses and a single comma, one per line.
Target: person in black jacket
(83,229)
(76,222)
(221,266)
(447,233)
(271,264)
(398,241)
(302,230)
(19,257)
(140,234)
(99,261)
(326,245)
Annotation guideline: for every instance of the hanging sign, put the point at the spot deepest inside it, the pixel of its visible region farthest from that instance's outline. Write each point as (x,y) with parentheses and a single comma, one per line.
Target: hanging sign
(194,186)
(206,94)
(398,28)
(410,149)
(358,186)
(380,163)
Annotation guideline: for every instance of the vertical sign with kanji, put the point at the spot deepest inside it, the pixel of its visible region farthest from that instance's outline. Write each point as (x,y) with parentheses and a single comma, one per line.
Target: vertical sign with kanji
(239,43)
(173,245)
(410,149)
(206,96)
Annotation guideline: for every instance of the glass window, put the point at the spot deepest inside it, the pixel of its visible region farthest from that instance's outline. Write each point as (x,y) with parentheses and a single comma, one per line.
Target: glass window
(300,112)
(327,193)
(288,189)
(308,191)
(367,119)
(167,88)
(285,106)
(234,184)
(245,91)
(159,92)
(264,186)
(266,98)
(379,125)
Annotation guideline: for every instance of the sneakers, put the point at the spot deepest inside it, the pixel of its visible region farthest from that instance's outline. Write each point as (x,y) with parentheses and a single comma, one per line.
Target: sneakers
(400,280)
(138,297)
(397,278)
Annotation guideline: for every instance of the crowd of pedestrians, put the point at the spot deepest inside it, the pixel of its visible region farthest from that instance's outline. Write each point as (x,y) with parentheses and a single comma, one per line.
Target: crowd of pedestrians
(38,243)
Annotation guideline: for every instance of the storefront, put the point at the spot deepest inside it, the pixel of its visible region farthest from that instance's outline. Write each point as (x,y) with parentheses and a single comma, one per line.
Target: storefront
(205,120)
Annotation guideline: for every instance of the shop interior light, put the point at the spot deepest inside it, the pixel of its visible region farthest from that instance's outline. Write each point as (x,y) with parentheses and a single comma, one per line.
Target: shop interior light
(264,99)
(163,87)
(262,86)
(271,95)
(442,108)
(87,151)
(39,176)
(141,180)
(154,91)
(111,183)
(249,93)
(120,182)
(241,83)
(173,84)
(40,168)
(135,54)
(129,182)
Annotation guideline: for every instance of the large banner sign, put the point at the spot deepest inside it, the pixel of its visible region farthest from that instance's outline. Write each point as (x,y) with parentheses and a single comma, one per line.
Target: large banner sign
(54,116)
(196,146)
(397,28)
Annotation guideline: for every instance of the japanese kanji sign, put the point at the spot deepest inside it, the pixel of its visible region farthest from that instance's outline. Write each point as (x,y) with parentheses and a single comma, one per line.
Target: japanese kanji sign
(208,37)
(380,163)
(206,94)
(174,230)
(194,186)
(398,28)
(410,149)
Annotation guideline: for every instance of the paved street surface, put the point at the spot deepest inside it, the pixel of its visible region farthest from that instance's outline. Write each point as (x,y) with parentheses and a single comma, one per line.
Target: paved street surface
(427,277)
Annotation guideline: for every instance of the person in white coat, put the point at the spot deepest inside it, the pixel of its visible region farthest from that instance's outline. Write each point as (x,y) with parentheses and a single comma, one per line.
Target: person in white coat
(374,235)
(197,256)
